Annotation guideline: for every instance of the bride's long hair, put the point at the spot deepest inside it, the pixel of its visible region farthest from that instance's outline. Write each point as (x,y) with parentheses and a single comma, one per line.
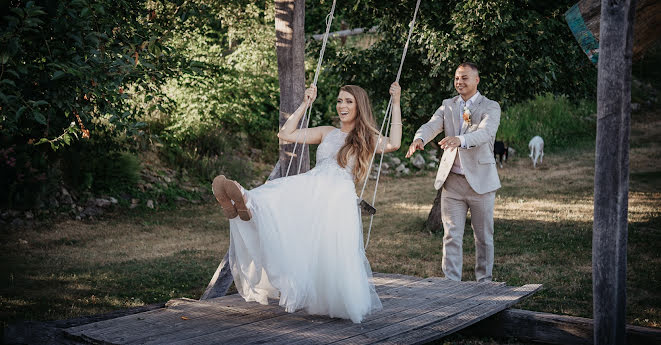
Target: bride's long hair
(361,140)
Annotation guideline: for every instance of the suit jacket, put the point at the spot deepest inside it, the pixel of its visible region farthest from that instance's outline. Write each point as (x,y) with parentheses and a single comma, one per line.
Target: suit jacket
(477,158)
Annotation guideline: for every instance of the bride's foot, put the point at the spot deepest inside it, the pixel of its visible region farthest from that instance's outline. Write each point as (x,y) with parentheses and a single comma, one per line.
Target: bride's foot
(218,188)
(233,190)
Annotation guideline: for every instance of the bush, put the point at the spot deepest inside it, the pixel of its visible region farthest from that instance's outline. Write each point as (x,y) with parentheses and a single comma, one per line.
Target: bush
(558,121)
(206,155)
(88,169)
(72,70)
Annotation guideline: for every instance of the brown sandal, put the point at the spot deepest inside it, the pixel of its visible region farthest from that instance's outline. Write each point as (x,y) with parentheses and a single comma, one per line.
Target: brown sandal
(218,188)
(233,190)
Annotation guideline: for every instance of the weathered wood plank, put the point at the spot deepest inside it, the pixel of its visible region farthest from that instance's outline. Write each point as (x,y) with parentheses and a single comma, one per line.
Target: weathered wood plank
(234,310)
(611,176)
(166,320)
(419,317)
(197,318)
(172,306)
(409,303)
(267,328)
(383,281)
(393,312)
(472,312)
(286,325)
(552,328)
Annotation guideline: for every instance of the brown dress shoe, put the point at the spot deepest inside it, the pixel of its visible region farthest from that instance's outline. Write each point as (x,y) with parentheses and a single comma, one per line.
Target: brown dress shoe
(218,188)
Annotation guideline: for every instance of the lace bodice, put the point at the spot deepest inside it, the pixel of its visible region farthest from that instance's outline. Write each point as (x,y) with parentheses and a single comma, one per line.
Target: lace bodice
(327,153)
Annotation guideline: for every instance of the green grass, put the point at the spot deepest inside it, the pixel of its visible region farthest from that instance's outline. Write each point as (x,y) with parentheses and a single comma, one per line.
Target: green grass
(561,123)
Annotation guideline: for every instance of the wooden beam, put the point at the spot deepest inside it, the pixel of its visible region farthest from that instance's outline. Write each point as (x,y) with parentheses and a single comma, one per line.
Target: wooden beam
(552,329)
(345,33)
(586,18)
(221,280)
(611,182)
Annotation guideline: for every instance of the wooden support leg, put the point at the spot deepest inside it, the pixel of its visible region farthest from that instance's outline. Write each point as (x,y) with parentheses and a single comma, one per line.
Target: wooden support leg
(221,280)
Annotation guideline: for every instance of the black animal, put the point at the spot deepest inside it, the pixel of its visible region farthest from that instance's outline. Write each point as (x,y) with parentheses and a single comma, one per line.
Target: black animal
(500,149)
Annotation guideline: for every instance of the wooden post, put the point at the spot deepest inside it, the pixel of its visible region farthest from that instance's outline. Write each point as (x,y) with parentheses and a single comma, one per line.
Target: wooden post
(611,182)
(290,49)
(221,280)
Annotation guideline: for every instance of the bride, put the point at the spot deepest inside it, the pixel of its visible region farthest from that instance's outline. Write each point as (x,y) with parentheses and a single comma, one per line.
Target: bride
(299,238)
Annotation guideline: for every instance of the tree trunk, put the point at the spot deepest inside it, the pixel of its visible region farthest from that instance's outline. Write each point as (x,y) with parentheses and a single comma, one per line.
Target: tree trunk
(434,223)
(646,27)
(611,182)
(290,49)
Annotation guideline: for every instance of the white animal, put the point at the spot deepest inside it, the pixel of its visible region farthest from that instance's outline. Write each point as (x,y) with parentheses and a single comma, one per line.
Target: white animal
(536,146)
(511,151)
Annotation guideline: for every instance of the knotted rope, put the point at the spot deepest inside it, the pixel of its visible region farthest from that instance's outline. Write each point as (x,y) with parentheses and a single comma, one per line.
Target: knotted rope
(386,122)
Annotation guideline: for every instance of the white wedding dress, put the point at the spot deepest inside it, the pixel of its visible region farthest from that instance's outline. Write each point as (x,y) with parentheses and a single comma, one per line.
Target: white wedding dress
(304,242)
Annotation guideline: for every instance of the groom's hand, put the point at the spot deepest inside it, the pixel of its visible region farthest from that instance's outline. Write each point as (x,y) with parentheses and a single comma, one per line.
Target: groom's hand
(450,142)
(417,144)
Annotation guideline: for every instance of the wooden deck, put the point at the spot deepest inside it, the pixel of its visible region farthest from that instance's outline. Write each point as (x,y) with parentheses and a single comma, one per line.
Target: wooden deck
(415,310)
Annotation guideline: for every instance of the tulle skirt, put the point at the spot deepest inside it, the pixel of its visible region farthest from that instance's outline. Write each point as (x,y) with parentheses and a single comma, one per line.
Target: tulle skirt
(304,246)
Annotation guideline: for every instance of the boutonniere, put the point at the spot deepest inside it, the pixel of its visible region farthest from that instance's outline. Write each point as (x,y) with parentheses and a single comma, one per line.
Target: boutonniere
(467,116)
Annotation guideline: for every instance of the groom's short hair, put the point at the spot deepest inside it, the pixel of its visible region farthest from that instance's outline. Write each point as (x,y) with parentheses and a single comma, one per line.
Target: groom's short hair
(469,65)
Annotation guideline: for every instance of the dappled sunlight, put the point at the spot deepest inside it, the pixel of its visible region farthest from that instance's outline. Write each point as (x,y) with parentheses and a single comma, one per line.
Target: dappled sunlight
(409,208)
(543,209)
(642,208)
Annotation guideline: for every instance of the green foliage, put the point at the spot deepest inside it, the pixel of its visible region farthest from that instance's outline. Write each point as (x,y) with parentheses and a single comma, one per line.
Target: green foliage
(77,58)
(556,119)
(114,172)
(231,96)
(522,49)
(209,154)
(89,169)
(84,79)
(73,70)
(22,175)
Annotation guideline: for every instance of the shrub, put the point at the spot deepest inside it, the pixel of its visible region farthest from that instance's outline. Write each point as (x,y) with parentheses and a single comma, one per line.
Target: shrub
(207,155)
(89,169)
(557,120)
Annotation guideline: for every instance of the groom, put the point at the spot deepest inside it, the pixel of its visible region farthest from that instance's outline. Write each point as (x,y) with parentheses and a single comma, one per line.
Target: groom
(467,173)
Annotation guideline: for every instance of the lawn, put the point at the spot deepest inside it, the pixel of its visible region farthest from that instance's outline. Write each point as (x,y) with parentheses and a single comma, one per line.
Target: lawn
(543,234)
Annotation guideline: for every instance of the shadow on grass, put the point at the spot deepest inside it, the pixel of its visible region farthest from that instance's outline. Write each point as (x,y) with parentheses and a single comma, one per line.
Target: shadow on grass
(50,293)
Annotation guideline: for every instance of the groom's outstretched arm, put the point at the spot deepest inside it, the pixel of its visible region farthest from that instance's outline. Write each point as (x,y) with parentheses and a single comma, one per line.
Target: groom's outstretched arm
(433,127)
(487,128)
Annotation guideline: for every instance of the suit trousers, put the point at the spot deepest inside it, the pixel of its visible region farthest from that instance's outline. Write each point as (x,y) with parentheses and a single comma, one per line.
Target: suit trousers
(457,197)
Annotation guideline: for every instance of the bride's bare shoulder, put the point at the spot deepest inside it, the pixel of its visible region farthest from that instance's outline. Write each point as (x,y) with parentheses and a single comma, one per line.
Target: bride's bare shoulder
(324,130)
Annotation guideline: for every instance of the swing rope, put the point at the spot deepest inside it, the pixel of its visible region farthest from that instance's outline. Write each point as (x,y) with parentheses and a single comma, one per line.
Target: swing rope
(386,123)
(308,105)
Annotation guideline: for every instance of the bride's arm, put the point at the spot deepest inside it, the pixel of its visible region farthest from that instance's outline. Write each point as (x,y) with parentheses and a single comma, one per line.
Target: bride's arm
(290,132)
(394,140)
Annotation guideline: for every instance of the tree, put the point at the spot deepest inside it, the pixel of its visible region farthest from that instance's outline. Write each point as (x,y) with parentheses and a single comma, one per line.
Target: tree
(290,49)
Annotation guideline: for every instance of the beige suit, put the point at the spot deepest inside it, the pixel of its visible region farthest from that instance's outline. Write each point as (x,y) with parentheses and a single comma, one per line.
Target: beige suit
(475,190)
